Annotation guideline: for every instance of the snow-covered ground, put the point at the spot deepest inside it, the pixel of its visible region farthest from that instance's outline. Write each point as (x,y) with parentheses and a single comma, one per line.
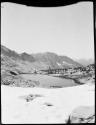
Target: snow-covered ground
(54,105)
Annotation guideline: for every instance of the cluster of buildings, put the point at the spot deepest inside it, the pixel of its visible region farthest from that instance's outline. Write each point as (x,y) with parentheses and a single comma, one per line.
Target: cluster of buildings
(80,70)
(87,69)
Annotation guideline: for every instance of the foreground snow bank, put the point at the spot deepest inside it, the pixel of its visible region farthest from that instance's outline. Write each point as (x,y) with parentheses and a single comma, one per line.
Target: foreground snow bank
(53,105)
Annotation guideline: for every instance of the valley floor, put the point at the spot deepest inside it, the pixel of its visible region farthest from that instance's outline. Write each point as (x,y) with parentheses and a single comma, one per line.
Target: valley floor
(42,105)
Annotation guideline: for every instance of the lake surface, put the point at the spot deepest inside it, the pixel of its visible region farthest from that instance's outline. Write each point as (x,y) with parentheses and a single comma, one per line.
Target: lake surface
(50,81)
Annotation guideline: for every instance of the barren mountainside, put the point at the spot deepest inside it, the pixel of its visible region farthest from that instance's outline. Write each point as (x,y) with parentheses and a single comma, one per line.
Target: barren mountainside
(55,61)
(36,61)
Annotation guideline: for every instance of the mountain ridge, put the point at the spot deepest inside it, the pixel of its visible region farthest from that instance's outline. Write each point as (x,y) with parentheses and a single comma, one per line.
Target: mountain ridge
(48,59)
(85,62)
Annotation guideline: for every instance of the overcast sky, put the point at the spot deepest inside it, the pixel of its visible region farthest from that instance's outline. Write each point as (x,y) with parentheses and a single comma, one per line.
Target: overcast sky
(64,30)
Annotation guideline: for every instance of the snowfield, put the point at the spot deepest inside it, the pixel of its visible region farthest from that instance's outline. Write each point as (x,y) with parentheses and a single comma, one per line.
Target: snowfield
(53,105)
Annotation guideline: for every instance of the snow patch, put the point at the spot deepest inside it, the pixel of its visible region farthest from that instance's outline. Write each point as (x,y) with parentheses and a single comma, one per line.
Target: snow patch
(54,106)
(66,63)
(58,64)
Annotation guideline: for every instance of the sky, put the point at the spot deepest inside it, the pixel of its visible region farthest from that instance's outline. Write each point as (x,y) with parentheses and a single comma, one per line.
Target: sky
(66,30)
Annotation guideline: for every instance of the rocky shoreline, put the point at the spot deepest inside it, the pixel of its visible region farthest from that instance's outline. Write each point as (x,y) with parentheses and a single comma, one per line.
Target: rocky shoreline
(19,81)
(79,79)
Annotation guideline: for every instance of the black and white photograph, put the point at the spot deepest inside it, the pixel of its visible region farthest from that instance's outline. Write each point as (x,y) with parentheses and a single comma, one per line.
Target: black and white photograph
(47,63)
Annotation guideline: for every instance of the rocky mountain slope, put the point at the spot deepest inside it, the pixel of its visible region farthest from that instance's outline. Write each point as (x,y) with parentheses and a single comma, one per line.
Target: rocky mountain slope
(55,61)
(28,62)
(15,56)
